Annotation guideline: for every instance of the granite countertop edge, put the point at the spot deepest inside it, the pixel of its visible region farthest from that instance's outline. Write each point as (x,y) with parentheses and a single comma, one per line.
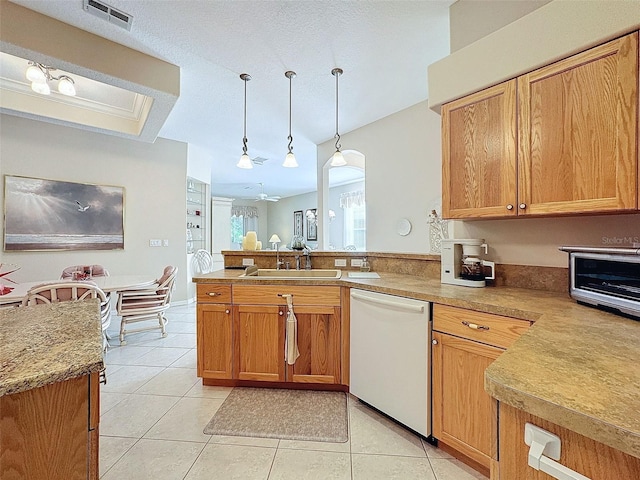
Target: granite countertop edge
(560,345)
(46,344)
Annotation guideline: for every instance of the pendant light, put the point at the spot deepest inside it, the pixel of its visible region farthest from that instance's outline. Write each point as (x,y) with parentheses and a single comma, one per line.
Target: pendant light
(290,159)
(245,161)
(338,159)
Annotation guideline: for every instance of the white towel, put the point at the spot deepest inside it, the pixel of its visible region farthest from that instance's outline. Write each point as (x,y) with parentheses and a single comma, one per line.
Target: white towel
(291,352)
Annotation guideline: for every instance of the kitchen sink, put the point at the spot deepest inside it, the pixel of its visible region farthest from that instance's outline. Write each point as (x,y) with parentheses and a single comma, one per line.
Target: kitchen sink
(273,274)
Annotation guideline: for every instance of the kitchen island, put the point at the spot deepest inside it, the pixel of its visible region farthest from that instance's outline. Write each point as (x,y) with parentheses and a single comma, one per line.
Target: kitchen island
(576,366)
(50,361)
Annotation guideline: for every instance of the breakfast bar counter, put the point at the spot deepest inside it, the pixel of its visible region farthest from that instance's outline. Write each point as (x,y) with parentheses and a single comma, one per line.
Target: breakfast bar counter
(45,344)
(576,366)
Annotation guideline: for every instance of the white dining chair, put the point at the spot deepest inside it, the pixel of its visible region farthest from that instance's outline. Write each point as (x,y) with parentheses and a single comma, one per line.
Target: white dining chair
(202,262)
(72,291)
(148,303)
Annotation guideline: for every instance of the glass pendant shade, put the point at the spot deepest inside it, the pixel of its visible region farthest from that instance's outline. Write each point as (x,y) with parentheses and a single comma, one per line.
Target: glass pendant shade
(338,159)
(41,88)
(290,161)
(34,74)
(66,87)
(245,162)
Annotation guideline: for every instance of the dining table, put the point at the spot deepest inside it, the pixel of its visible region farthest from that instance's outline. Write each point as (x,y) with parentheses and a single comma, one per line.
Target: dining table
(109,284)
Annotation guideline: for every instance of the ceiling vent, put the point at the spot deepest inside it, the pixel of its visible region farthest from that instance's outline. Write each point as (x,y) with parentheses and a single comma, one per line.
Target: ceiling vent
(108,13)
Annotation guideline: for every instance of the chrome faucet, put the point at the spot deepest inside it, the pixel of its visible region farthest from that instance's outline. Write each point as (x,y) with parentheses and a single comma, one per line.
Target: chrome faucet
(278,262)
(297,262)
(307,253)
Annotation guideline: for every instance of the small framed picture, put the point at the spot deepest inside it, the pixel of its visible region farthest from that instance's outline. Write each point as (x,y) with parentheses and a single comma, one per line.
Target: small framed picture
(298,225)
(312,226)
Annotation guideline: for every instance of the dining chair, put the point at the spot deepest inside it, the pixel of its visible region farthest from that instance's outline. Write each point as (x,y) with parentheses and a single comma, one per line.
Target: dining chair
(147,303)
(203,262)
(96,271)
(72,291)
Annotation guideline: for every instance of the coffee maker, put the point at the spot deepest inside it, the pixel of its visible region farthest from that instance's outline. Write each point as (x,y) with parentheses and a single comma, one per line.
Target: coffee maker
(461,262)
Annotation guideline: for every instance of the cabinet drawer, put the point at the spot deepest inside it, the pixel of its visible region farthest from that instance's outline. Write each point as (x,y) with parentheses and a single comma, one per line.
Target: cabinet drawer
(211,293)
(272,295)
(482,327)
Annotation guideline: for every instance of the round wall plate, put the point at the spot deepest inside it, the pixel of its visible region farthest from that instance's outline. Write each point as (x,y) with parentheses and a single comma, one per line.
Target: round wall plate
(404,227)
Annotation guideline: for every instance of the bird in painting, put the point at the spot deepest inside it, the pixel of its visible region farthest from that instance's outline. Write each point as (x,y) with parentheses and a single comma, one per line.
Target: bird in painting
(82,208)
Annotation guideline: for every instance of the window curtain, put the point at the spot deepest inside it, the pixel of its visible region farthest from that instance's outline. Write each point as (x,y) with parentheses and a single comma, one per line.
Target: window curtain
(248,218)
(352,199)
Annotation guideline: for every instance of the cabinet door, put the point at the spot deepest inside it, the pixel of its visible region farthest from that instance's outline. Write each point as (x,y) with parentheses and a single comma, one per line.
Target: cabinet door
(215,345)
(319,346)
(44,432)
(578,132)
(259,342)
(479,154)
(463,413)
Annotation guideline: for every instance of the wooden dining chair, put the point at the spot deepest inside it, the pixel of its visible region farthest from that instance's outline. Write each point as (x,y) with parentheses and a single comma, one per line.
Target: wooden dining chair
(148,303)
(72,291)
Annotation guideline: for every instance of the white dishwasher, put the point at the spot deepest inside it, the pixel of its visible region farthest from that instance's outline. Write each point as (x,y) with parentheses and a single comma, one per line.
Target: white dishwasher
(390,345)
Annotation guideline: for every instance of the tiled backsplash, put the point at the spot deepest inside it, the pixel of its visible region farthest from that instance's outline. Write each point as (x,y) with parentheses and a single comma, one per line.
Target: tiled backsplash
(553,279)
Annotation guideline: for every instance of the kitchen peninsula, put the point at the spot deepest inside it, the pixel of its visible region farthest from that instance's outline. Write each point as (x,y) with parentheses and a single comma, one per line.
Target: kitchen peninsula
(50,361)
(572,358)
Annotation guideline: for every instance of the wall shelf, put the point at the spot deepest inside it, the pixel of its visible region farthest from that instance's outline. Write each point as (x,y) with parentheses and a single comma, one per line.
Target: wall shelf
(196,215)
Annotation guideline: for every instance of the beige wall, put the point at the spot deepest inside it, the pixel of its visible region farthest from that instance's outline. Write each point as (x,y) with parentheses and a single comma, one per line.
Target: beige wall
(153,176)
(403,175)
(470,20)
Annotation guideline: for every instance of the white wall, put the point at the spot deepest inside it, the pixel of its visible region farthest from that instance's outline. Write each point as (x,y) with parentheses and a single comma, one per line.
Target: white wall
(403,175)
(281,217)
(470,20)
(153,176)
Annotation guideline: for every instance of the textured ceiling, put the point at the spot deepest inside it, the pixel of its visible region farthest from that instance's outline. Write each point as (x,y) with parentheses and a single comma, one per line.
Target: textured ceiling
(383,47)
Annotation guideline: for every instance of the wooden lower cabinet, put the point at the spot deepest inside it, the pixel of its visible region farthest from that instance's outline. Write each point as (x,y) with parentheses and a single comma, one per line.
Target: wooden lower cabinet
(259,342)
(464,344)
(584,455)
(51,432)
(462,411)
(241,334)
(318,344)
(215,340)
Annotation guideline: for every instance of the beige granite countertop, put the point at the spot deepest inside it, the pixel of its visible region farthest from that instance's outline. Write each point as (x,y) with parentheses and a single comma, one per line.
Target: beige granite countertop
(576,366)
(44,344)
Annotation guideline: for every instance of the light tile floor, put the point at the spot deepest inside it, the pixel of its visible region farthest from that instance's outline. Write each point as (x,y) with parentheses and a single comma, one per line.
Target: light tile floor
(154,408)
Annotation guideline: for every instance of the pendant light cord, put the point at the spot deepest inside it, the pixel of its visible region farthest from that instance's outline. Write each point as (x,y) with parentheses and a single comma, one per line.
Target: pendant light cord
(290,138)
(337,72)
(245,78)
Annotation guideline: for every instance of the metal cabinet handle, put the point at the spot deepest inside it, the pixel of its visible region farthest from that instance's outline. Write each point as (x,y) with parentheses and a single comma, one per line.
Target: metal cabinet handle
(509,207)
(227,311)
(103,377)
(434,341)
(474,326)
(212,294)
(522,206)
(280,313)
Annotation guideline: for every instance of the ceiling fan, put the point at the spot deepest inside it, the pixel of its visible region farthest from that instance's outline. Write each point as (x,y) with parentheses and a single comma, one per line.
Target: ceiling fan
(264,197)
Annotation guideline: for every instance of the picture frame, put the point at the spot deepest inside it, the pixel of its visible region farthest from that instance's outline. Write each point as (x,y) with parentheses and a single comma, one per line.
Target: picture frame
(298,225)
(312,226)
(43,215)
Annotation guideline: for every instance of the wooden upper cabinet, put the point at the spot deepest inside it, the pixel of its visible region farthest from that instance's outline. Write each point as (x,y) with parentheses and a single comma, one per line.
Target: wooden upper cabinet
(479,154)
(577,122)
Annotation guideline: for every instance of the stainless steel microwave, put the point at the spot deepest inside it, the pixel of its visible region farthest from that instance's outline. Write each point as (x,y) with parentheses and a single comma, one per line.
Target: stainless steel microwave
(607,278)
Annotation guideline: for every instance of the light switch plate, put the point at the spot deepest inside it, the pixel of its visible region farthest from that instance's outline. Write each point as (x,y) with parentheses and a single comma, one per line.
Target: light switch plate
(247,262)
(165,242)
(155,242)
(340,262)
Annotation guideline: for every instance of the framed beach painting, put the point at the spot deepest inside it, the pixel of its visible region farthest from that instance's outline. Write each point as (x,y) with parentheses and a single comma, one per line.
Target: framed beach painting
(44,214)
